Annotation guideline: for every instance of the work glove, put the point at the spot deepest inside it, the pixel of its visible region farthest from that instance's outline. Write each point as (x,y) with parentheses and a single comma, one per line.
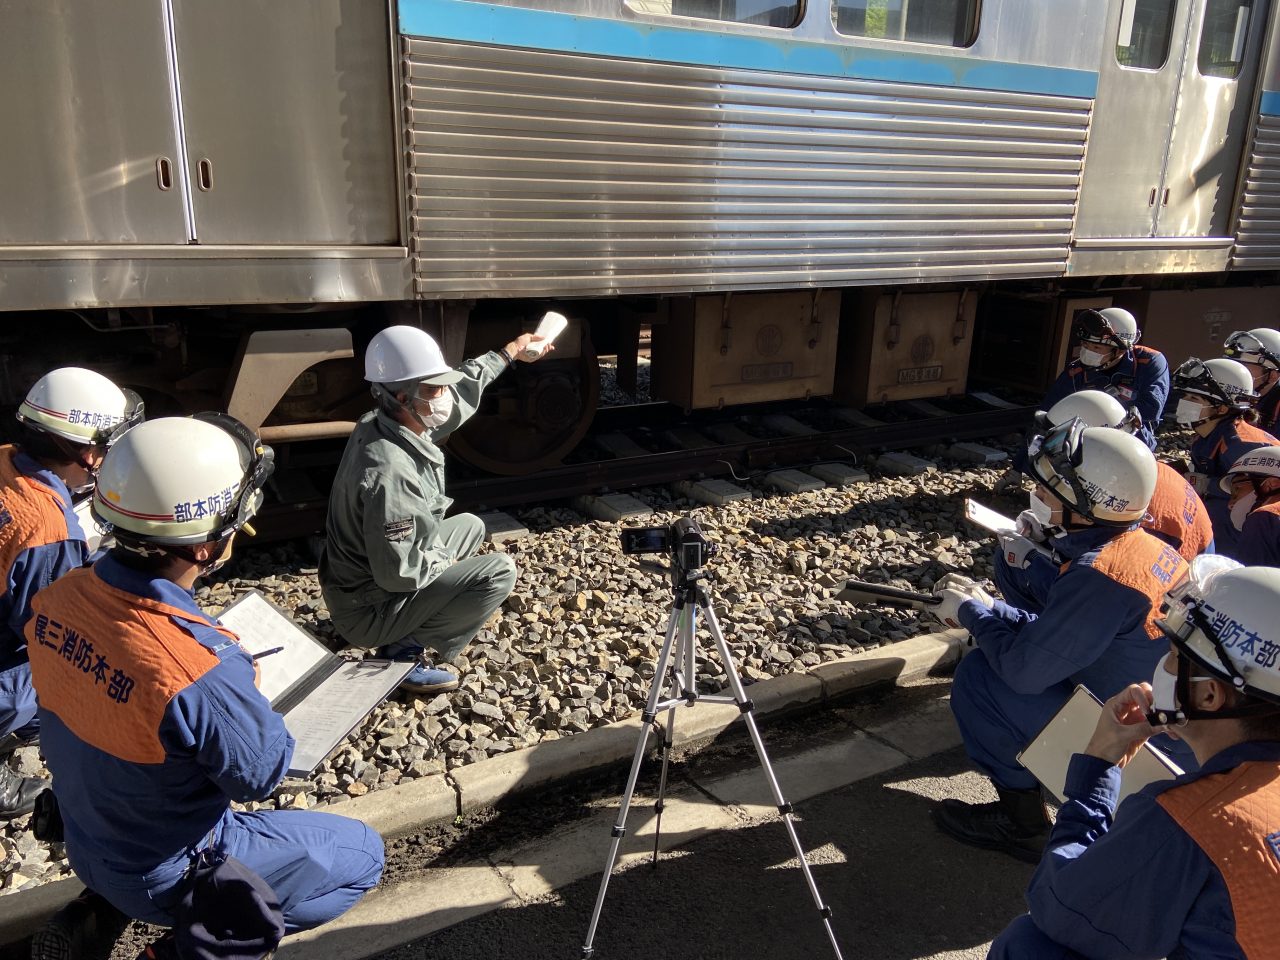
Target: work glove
(1199,481)
(1010,481)
(1017,550)
(953,590)
(1028,525)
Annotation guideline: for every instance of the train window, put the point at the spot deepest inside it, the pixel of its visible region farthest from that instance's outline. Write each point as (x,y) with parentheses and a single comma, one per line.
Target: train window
(763,13)
(1146,30)
(953,22)
(1223,37)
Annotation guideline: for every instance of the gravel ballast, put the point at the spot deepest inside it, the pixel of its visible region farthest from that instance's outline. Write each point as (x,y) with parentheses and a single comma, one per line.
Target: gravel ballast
(573,647)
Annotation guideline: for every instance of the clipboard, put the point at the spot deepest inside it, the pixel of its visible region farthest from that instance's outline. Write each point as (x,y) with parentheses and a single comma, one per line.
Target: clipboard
(322,696)
(1069,731)
(997,523)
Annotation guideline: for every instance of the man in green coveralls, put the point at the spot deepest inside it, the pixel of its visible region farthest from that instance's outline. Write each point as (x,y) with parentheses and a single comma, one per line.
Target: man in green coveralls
(395,572)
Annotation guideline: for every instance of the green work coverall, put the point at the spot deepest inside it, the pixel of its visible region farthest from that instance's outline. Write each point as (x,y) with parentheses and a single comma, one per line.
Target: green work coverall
(393,567)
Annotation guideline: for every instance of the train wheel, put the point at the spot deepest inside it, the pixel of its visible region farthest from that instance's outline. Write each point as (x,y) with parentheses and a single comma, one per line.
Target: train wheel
(531,417)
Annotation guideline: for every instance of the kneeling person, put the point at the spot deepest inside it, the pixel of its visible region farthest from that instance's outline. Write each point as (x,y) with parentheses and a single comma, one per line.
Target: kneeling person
(396,573)
(1097,627)
(151,720)
(1189,867)
(68,418)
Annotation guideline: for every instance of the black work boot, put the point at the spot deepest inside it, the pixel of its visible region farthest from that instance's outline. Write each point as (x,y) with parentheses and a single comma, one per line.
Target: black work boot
(87,926)
(1016,824)
(17,793)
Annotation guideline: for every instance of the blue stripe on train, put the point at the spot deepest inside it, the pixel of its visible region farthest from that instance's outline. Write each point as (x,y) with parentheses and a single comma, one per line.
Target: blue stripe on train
(469,21)
(1270,103)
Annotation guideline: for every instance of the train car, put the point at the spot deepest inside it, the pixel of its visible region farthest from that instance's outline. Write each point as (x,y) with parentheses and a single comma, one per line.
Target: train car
(219,203)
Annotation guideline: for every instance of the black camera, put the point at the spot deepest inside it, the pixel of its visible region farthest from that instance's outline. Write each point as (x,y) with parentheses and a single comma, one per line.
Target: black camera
(683,540)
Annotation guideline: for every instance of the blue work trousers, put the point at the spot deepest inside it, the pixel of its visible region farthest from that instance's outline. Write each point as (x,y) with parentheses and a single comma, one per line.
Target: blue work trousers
(996,722)
(318,864)
(18,702)
(1022,940)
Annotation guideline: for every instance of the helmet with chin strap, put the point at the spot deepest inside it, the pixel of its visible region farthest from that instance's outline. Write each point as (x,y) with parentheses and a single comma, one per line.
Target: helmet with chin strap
(1101,474)
(1222,619)
(1221,381)
(181,481)
(1109,327)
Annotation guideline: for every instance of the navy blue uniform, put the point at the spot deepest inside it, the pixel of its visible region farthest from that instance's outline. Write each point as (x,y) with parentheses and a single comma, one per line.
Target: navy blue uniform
(1140,379)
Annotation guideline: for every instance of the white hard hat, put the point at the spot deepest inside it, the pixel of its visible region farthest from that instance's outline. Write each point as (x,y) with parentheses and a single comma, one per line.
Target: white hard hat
(1223,382)
(1112,326)
(402,353)
(1100,473)
(1261,462)
(1222,616)
(1095,408)
(182,480)
(79,405)
(1260,345)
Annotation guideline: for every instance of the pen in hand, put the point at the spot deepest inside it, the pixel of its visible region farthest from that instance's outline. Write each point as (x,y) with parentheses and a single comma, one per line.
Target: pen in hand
(266,653)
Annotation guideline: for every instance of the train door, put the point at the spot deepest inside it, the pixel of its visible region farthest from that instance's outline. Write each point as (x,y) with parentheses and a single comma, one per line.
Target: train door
(91,150)
(1167,137)
(288,121)
(1215,103)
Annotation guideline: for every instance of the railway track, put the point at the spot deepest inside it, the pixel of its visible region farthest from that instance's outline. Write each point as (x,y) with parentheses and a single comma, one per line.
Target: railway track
(655,443)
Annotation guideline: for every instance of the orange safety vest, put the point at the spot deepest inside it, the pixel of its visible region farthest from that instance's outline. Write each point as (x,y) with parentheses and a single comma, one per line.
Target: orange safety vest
(1178,512)
(107,662)
(1234,817)
(1144,563)
(32,514)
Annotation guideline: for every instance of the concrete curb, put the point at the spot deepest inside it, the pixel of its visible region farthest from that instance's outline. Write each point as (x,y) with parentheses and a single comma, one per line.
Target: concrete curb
(419,804)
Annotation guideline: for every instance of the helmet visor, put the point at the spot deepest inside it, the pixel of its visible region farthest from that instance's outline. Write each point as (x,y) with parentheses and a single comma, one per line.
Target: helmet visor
(1194,377)
(1060,449)
(134,413)
(1092,327)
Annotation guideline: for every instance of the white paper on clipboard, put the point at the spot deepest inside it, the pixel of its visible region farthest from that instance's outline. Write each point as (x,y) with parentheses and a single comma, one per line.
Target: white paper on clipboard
(1069,732)
(997,523)
(260,626)
(988,519)
(322,696)
(85,519)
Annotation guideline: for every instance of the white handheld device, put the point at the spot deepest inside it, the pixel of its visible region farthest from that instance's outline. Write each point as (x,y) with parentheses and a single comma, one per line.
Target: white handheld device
(552,326)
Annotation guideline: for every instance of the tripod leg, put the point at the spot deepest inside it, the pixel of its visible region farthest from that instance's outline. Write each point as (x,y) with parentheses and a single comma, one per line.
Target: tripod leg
(784,808)
(681,684)
(620,827)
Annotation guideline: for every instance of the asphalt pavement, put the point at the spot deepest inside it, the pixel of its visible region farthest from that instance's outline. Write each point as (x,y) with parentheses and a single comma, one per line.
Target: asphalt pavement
(899,889)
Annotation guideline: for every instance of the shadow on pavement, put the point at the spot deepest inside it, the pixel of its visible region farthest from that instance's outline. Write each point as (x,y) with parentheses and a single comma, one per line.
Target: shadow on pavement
(899,890)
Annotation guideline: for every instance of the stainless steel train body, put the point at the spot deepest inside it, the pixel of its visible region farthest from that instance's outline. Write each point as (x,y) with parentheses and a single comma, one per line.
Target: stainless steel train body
(180,153)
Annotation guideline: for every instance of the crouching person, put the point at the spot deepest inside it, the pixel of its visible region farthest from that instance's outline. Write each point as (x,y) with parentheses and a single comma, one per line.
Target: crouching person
(396,572)
(1187,867)
(67,419)
(151,720)
(1097,627)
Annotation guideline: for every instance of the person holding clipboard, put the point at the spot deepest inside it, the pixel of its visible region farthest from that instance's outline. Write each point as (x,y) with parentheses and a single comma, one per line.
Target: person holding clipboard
(1187,867)
(151,719)
(1096,627)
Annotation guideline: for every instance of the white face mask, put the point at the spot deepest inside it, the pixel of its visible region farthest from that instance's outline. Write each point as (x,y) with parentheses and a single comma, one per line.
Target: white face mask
(1093,357)
(1164,687)
(1042,511)
(441,409)
(1242,508)
(1188,411)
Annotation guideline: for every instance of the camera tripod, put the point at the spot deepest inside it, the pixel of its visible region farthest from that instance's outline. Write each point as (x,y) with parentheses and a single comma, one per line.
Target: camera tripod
(676,673)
